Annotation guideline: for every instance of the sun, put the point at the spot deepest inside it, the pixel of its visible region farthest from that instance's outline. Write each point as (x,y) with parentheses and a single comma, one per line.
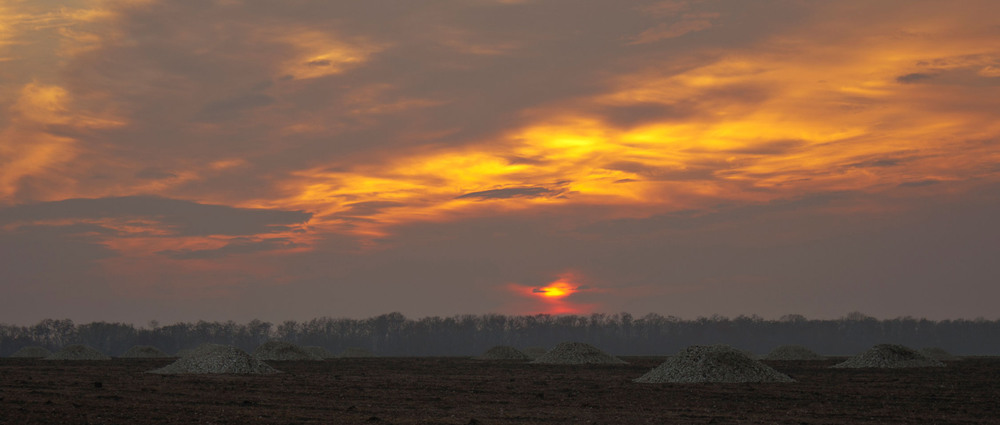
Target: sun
(558,289)
(560,296)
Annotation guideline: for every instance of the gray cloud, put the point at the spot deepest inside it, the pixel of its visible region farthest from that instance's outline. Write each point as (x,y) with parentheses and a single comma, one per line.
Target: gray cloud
(915,77)
(877,163)
(154,173)
(367,208)
(235,246)
(186,218)
(510,192)
(920,183)
(230,108)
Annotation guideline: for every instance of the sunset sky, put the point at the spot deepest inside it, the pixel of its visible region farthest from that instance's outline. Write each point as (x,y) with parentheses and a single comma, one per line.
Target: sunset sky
(226,159)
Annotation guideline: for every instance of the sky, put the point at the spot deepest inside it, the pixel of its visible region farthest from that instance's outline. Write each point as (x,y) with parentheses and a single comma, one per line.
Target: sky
(184,160)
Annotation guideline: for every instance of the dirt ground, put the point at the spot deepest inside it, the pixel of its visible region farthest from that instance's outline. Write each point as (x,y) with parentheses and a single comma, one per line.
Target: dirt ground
(466,391)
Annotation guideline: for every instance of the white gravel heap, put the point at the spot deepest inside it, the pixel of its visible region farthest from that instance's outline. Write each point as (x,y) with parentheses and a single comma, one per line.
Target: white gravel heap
(144,352)
(535,352)
(937,353)
(78,352)
(282,350)
(712,363)
(792,352)
(577,353)
(319,351)
(356,352)
(31,352)
(503,352)
(889,356)
(217,359)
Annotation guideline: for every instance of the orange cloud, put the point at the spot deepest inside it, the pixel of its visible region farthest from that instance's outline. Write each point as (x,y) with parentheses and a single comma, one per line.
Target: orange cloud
(789,116)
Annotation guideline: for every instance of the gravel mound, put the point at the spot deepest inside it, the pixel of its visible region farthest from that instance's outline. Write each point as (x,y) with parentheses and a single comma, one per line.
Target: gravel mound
(792,352)
(535,352)
(222,359)
(78,352)
(712,363)
(144,352)
(889,356)
(281,350)
(577,353)
(32,352)
(356,352)
(503,352)
(937,353)
(319,351)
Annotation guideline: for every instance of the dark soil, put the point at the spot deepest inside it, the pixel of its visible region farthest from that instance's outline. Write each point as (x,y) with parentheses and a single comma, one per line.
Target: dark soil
(465,391)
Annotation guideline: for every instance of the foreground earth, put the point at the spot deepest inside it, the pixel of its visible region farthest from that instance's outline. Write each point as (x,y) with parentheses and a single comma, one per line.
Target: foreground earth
(465,391)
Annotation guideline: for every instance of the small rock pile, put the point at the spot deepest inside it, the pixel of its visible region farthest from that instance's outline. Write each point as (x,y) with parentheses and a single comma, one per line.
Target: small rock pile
(78,352)
(577,353)
(281,350)
(792,352)
(503,352)
(144,352)
(712,363)
(31,352)
(319,351)
(937,353)
(356,352)
(889,356)
(217,359)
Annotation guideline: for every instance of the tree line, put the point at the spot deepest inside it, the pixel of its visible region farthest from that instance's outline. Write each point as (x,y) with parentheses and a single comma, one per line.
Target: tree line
(393,334)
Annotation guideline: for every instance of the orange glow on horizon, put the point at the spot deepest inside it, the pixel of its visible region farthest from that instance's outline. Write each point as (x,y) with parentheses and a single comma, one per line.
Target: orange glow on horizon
(553,298)
(558,289)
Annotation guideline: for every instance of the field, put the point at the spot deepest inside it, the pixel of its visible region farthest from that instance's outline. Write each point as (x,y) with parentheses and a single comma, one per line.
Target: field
(465,391)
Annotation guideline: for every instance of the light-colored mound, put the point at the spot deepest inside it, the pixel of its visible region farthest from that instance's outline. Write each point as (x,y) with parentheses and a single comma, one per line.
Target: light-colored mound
(78,352)
(282,350)
(937,353)
(32,352)
(217,359)
(144,352)
(712,363)
(503,352)
(792,352)
(356,352)
(319,351)
(889,356)
(535,352)
(577,353)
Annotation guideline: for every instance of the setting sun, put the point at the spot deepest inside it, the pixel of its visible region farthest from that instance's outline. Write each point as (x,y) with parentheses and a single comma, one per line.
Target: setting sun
(557,289)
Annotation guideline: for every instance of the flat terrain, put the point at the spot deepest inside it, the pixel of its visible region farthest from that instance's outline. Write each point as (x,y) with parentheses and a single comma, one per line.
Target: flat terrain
(464,391)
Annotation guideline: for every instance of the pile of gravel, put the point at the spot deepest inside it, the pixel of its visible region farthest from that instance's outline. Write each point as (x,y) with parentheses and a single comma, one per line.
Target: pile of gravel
(144,352)
(31,352)
(282,350)
(792,352)
(937,353)
(712,363)
(221,359)
(503,352)
(356,352)
(889,356)
(78,352)
(577,353)
(535,352)
(319,351)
